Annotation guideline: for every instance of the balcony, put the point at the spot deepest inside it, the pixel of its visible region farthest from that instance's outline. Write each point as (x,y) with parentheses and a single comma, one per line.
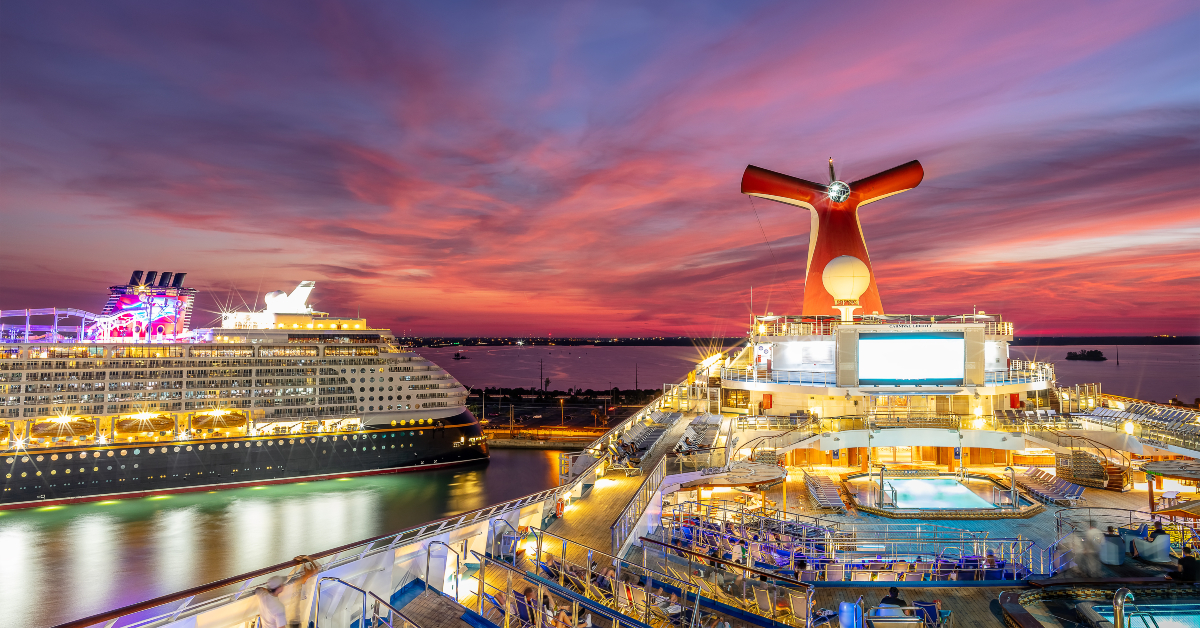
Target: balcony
(800,378)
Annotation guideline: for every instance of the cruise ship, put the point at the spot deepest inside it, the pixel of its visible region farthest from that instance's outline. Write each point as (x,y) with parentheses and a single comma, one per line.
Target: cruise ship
(133,401)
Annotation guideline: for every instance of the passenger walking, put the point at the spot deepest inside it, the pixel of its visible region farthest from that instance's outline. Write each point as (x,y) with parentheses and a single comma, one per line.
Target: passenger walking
(270,609)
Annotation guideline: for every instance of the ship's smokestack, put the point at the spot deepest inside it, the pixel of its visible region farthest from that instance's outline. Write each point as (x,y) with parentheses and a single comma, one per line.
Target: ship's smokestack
(151,275)
(164,279)
(135,278)
(178,283)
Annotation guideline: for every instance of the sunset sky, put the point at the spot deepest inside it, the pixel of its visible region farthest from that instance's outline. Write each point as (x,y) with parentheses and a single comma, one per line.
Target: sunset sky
(573,168)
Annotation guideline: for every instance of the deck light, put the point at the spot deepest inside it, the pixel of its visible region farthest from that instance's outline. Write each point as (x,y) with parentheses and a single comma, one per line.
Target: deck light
(1129,427)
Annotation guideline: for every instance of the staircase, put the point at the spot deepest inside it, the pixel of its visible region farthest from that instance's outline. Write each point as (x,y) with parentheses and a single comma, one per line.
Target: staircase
(1118,477)
(1088,469)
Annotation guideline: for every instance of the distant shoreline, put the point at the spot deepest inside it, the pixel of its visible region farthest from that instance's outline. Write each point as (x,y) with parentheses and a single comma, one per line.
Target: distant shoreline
(1019,341)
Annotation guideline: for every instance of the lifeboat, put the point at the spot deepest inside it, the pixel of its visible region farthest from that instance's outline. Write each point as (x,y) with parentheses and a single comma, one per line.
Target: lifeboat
(146,423)
(72,427)
(219,421)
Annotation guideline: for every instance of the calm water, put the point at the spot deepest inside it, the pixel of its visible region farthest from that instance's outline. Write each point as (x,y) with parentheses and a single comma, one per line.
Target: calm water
(598,368)
(1146,372)
(64,563)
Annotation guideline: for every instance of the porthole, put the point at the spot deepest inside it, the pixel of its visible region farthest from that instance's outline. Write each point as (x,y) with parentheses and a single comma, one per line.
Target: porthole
(52,472)
(52,457)
(324,439)
(110,467)
(235,445)
(135,466)
(176,450)
(355,437)
(39,472)
(95,468)
(372,379)
(150,451)
(96,455)
(393,425)
(124,452)
(343,371)
(24,458)
(260,443)
(224,445)
(10,460)
(22,474)
(290,442)
(408,396)
(40,458)
(351,380)
(390,379)
(68,456)
(189,447)
(136,452)
(361,389)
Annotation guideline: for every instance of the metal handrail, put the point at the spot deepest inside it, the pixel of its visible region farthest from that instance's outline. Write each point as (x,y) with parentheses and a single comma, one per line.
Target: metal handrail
(712,559)
(362,621)
(492,536)
(620,527)
(457,566)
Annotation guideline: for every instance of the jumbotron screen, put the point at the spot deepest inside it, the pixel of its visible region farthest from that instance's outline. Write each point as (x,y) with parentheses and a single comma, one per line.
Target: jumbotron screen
(911,359)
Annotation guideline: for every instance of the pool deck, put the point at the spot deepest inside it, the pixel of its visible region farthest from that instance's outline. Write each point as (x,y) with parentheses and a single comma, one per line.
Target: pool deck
(588,522)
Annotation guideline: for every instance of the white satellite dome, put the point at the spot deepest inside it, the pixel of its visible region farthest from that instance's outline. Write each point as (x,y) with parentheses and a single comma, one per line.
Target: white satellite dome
(274,299)
(846,277)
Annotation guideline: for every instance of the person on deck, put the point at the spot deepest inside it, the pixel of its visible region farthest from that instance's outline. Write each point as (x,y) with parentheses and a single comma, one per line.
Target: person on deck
(1189,567)
(893,597)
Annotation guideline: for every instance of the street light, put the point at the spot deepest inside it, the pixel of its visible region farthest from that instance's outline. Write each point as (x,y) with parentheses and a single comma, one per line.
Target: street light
(562,414)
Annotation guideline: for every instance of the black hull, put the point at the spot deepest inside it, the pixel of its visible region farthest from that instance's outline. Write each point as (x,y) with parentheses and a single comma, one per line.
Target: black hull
(206,464)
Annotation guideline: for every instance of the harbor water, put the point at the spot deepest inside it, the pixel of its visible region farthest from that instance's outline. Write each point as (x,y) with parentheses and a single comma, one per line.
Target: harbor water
(67,562)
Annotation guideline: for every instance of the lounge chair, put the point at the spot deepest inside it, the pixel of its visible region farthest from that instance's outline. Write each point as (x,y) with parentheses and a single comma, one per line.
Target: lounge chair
(929,615)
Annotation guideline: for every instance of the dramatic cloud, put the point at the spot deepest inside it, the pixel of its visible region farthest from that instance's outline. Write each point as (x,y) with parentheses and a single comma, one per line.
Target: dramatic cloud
(524,168)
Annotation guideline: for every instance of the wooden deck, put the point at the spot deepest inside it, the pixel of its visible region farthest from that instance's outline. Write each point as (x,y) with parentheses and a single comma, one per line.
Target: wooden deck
(589,520)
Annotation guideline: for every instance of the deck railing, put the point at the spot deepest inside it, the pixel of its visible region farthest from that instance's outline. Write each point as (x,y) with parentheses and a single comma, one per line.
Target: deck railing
(625,522)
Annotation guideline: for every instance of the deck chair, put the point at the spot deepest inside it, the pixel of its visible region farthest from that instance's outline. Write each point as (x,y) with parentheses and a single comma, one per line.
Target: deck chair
(861,576)
(886,576)
(900,567)
(835,572)
(762,603)
(801,609)
(496,608)
(914,576)
(521,611)
(809,575)
(928,613)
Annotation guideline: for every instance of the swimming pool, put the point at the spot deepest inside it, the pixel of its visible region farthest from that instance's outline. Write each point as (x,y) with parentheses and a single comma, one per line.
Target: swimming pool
(936,494)
(1166,614)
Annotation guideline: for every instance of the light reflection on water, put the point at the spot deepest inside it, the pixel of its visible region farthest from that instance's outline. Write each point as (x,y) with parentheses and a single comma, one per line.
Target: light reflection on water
(66,563)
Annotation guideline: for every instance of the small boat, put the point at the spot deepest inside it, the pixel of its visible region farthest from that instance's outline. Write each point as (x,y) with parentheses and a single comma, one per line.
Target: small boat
(459,356)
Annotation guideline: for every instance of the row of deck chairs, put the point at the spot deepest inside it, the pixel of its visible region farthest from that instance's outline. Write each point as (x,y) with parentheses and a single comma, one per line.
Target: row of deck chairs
(1049,488)
(1178,420)
(701,433)
(824,492)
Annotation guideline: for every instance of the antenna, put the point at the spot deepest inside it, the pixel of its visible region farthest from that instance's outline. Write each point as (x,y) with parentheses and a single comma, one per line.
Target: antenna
(832,176)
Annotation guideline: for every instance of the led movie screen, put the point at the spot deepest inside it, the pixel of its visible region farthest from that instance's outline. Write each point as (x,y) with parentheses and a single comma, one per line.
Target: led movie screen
(911,359)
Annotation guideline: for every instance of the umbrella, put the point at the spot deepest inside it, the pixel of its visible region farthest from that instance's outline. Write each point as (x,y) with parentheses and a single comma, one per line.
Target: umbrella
(1186,509)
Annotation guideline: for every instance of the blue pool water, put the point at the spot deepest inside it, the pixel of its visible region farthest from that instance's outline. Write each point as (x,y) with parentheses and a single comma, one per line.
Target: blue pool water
(935,494)
(1166,614)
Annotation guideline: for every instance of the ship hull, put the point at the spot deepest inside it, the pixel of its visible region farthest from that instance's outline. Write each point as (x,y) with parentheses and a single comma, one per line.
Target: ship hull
(80,474)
